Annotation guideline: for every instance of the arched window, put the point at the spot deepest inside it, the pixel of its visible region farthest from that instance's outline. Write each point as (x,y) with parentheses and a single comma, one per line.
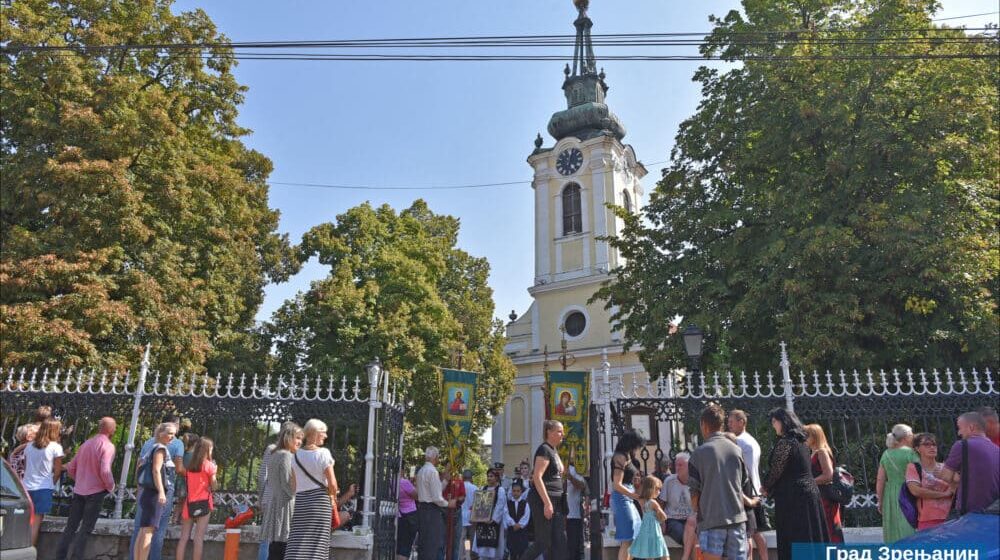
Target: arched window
(627,201)
(571,213)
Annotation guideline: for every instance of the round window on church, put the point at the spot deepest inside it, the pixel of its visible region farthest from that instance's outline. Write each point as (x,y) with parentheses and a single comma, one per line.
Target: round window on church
(575,323)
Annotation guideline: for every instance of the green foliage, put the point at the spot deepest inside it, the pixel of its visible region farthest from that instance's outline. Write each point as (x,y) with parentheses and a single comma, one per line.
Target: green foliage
(846,205)
(131,210)
(398,289)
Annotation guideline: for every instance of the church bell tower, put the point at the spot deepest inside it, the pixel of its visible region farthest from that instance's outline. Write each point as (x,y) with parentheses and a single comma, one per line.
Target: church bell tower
(575,180)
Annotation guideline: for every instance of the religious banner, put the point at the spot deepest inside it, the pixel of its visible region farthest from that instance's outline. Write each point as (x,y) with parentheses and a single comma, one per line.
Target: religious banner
(568,396)
(459,392)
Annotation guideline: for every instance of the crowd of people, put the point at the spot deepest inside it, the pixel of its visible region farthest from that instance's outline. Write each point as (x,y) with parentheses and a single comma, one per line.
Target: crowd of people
(176,478)
(708,500)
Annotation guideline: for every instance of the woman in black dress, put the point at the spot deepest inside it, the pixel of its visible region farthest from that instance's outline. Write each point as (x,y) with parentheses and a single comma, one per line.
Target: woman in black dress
(798,510)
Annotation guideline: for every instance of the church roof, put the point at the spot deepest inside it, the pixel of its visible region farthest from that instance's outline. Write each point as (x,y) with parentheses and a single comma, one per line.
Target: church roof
(586,114)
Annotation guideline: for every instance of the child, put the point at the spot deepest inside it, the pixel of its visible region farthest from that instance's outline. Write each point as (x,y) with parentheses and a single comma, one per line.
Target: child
(517,518)
(198,504)
(180,485)
(649,541)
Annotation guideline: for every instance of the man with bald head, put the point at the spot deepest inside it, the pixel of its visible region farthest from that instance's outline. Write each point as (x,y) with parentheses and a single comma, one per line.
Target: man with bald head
(977,460)
(91,471)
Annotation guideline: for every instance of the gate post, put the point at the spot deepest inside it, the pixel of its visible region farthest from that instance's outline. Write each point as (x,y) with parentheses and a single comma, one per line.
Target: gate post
(132,427)
(607,446)
(374,375)
(786,379)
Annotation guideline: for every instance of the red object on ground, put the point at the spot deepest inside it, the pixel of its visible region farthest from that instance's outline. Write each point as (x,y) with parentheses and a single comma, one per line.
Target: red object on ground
(239,519)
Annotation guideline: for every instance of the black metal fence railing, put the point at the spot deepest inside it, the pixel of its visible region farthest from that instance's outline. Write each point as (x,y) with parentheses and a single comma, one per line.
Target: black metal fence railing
(241,416)
(855,409)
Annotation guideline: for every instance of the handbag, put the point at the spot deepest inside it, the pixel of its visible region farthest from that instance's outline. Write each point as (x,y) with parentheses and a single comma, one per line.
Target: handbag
(841,488)
(335,517)
(198,509)
(144,475)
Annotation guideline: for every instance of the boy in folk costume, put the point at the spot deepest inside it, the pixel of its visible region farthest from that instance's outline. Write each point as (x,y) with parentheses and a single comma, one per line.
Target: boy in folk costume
(517,519)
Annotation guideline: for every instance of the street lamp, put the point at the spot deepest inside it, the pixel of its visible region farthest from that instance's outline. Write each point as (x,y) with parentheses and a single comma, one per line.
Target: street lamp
(693,340)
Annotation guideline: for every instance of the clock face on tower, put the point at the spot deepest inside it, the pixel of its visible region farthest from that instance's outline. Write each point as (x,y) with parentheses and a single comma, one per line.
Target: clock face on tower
(569,161)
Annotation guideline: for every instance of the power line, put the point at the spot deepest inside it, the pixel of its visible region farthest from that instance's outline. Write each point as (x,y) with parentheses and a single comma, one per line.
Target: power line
(413,188)
(966,17)
(613,40)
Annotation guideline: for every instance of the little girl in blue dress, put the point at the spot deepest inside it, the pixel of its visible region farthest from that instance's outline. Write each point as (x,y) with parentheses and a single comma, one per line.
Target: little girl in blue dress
(649,543)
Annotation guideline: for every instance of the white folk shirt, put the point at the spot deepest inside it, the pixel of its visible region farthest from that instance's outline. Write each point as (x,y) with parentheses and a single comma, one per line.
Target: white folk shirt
(470,494)
(509,521)
(429,486)
(573,496)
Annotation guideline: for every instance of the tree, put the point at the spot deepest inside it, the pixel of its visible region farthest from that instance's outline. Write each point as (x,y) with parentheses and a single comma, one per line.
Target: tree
(826,195)
(131,211)
(400,290)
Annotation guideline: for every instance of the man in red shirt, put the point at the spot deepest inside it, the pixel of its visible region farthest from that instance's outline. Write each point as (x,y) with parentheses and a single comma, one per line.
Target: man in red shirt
(454,492)
(91,469)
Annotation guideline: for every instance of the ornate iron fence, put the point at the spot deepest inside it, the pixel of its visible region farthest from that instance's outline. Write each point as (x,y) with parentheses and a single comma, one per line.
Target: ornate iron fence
(856,410)
(239,413)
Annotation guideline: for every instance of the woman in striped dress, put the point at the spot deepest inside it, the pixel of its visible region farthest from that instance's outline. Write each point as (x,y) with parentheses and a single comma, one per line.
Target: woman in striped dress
(315,497)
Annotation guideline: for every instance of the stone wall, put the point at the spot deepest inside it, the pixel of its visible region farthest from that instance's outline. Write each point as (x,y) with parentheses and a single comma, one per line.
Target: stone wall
(110,541)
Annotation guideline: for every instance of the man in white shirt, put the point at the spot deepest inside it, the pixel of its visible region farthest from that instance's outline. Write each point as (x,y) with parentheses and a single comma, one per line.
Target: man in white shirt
(737,424)
(574,517)
(470,495)
(681,524)
(430,504)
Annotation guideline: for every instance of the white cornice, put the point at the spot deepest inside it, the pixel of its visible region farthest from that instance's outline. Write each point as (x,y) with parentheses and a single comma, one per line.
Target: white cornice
(565,284)
(539,357)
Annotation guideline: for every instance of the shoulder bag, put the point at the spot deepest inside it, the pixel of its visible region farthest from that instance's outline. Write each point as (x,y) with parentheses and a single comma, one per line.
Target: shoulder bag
(335,519)
(908,503)
(957,511)
(144,475)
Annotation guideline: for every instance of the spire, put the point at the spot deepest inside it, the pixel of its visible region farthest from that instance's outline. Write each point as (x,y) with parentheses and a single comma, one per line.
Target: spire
(586,115)
(583,56)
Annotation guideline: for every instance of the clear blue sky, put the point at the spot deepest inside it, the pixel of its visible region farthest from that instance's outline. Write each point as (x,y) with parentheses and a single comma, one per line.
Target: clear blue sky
(447,123)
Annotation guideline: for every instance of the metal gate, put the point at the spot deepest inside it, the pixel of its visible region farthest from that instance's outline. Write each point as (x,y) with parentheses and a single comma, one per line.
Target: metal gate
(855,408)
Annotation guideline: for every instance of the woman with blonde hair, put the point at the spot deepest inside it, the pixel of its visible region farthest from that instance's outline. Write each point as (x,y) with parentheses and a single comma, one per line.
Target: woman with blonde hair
(315,497)
(891,477)
(24,435)
(281,480)
(822,463)
(153,496)
(42,468)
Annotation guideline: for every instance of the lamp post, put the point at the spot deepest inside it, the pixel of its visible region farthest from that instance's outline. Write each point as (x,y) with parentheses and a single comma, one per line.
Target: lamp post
(693,340)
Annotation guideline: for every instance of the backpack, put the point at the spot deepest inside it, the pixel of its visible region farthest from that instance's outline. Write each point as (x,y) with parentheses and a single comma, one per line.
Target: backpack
(908,502)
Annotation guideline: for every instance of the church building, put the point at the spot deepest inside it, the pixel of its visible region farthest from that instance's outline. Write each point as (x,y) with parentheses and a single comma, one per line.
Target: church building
(588,168)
